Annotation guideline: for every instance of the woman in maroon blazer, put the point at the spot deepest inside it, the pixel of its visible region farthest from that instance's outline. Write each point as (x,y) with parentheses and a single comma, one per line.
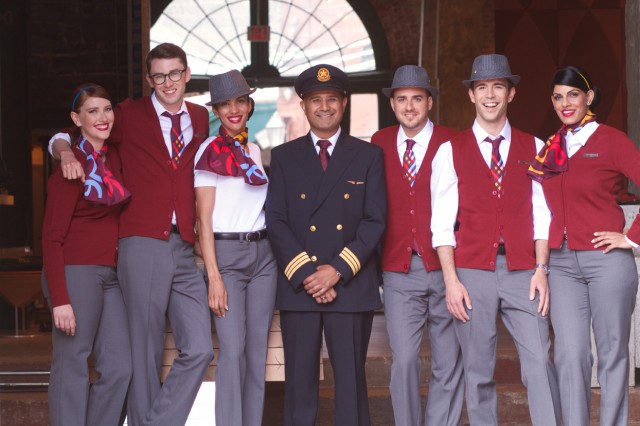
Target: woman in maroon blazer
(593,278)
(79,245)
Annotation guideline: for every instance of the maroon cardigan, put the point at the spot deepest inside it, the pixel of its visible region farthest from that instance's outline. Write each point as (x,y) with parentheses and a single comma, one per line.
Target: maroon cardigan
(75,231)
(583,199)
(482,216)
(157,190)
(409,208)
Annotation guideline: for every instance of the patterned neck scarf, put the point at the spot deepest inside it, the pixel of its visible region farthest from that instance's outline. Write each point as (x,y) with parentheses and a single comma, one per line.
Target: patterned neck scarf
(100,185)
(225,155)
(553,157)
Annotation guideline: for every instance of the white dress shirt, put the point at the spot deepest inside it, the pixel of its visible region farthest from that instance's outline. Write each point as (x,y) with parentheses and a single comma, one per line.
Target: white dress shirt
(238,206)
(444,188)
(333,139)
(422,143)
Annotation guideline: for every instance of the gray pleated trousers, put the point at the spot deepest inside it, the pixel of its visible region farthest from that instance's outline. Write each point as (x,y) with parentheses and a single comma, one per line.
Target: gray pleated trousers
(160,280)
(589,286)
(505,292)
(248,271)
(101,321)
(411,301)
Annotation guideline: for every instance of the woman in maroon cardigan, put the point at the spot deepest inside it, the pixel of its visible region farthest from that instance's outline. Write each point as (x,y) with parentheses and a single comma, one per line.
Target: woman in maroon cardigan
(593,278)
(79,245)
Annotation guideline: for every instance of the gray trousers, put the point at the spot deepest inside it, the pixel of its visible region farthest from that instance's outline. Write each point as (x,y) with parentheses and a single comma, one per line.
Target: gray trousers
(587,287)
(248,271)
(101,321)
(505,292)
(159,279)
(412,301)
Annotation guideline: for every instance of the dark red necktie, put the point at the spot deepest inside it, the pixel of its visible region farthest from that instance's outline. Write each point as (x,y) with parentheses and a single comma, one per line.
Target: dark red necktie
(324,153)
(497,166)
(177,140)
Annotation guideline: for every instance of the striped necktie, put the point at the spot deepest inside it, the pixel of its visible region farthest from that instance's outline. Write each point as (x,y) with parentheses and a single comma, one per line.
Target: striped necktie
(409,162)
(497,166)
(177,140)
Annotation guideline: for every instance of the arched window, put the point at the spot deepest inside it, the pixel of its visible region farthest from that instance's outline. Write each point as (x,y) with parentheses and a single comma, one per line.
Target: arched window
(302,33)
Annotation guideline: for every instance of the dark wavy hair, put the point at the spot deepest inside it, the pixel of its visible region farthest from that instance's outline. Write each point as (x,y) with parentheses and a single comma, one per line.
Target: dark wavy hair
(578,78)
(80,96)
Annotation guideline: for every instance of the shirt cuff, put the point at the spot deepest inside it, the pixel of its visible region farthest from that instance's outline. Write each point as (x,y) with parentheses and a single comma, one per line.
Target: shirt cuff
(634,245)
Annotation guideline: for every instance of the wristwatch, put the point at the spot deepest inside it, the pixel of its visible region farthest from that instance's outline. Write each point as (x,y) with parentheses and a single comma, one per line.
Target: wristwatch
(544,267)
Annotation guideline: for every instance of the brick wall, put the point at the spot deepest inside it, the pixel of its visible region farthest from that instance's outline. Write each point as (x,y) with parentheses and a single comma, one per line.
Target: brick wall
(71,42)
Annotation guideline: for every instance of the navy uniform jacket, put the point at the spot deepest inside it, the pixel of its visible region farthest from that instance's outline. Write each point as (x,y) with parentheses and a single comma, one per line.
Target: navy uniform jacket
(335,217)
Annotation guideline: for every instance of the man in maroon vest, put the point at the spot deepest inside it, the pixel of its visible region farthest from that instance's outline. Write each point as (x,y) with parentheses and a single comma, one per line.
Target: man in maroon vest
(414,291)
(496,258)
(157,138)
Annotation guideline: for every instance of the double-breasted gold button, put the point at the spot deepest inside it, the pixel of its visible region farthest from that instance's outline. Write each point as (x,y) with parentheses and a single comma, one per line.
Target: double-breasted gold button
(339,227)
(346,196)
(312,228)
(313,258)
(303,196)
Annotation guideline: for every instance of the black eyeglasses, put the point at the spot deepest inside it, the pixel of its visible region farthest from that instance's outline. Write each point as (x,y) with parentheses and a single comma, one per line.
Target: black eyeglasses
(174,76)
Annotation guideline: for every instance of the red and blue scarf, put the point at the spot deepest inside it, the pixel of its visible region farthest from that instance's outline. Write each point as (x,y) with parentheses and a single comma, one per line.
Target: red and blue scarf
(226,156)
(100,185)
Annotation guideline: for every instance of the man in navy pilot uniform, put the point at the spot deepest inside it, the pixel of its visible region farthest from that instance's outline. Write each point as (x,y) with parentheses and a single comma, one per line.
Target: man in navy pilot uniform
(326,212)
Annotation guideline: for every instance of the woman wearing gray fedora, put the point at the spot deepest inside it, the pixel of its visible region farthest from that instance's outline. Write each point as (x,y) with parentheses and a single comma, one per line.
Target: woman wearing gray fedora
(231,188)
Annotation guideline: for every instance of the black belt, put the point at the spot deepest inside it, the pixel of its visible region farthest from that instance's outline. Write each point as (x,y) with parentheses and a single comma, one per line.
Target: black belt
(241,236)
(174,229)
(501,249)
(415,253)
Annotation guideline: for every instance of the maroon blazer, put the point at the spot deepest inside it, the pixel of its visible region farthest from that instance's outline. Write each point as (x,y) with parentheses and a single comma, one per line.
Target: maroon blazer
(157,190)
(76,231)
(583,199)
(409,208)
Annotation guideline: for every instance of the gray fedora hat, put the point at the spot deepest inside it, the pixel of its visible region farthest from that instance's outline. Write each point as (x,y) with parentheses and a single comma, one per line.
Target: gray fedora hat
(491,67)
(410,76)
(228,85)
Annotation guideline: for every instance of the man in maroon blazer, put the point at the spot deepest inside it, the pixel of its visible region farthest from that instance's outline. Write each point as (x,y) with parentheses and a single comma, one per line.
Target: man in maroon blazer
(157,137)
(414,291)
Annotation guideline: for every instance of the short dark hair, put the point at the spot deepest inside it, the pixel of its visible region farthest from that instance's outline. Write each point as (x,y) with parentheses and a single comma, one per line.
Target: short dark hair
(80,96)
(579,78)
(166,51)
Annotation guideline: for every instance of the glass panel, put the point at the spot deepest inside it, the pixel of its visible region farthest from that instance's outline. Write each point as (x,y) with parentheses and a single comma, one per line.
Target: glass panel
(303,33)
(364,115)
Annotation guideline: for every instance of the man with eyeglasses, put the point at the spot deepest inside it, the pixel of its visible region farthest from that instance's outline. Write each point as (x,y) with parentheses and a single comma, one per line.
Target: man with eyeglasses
(157,137)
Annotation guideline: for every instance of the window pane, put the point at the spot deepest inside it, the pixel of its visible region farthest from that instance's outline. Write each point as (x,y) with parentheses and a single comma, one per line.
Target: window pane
(364,115)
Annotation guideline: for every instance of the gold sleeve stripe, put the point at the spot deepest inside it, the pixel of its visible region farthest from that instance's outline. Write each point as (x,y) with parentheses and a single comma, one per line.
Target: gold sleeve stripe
(296,263)
(351,259)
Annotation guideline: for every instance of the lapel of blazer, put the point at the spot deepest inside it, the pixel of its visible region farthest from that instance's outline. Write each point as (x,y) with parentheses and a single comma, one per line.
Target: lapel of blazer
(200,131)
(158,139)
(343,154)
(308,161)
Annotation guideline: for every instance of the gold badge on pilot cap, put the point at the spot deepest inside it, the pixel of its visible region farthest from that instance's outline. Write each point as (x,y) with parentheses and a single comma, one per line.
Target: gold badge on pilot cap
(324,75)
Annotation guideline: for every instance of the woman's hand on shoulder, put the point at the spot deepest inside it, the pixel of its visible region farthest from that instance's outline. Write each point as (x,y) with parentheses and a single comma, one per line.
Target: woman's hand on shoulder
(217,295)
(612,240)
(64,319)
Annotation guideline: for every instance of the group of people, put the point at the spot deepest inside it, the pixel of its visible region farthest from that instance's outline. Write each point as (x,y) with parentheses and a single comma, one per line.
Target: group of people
(470,224)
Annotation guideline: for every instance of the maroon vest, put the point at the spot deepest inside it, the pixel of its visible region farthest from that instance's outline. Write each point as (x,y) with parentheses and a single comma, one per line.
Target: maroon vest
(409,208)
(483,217)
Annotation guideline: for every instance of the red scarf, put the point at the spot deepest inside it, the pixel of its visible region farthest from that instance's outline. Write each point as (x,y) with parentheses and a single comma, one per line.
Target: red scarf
(553,157)
(226,156)
(100,185)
